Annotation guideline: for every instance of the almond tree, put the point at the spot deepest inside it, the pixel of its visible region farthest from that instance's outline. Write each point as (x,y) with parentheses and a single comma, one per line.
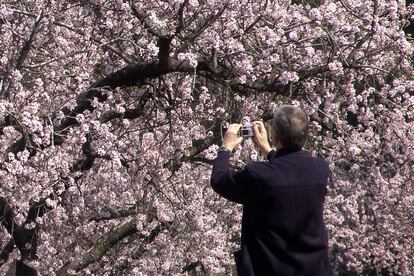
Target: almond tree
(111,111)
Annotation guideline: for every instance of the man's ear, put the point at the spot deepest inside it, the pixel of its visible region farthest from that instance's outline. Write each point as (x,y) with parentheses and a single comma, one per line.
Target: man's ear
(274,139)
(272,136)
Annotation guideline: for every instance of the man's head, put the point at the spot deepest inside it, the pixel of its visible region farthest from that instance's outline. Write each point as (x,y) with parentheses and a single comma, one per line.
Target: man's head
(290,127)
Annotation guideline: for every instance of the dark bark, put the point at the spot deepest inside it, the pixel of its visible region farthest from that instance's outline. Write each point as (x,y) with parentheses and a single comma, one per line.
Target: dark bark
(6,215)
(409,29)
(110,239)
(28,43)
(4,255)
(129,76)
(105,243)
(19,268)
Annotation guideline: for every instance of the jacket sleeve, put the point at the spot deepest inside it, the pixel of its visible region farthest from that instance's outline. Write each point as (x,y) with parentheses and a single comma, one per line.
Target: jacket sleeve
(235,186)
(271,155)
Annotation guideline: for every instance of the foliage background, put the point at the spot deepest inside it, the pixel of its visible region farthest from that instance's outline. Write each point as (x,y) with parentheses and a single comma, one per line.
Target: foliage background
(111,113)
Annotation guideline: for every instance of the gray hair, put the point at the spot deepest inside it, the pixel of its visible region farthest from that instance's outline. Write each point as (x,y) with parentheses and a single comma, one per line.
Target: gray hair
(291,125)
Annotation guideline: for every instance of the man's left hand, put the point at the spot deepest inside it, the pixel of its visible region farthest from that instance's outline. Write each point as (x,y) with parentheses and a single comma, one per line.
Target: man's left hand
(231,138)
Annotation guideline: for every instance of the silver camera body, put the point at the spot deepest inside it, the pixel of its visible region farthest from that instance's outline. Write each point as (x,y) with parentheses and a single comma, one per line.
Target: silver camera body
(246,130)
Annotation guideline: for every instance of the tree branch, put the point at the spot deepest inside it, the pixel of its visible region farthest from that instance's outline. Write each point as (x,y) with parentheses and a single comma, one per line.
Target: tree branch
(130,113)
(116,214)
(192,266)
(143,19)
(4,255)
(181,17)
(207,23)
(79,32)
(26,47)
(6,215)
(128,76)
(164,50)
(105,243)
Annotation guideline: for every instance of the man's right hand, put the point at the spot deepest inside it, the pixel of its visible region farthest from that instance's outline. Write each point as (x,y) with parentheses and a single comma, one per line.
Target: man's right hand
(231,138)
(260,137)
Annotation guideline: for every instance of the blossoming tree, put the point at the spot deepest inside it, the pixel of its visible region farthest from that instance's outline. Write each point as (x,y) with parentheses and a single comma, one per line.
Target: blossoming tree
(110,116)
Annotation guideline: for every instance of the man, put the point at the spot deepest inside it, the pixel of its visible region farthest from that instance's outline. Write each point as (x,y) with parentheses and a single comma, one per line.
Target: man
(283,232)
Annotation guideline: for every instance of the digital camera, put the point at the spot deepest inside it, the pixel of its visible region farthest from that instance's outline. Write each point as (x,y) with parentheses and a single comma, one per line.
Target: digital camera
(246,130)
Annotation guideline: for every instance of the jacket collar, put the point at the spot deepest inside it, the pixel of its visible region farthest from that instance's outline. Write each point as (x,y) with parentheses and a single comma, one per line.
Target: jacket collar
(279,153)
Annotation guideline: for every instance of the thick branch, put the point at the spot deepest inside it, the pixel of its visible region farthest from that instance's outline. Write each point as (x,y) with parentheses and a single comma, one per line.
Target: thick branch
(39,208)
(105,243)
(6,215)
(192,266)
(20,235)
(4,255)
(116,214)
(130,113)
(128,76)
(164,50)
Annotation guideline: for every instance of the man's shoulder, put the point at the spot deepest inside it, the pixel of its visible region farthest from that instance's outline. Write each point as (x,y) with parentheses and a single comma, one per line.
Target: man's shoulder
(321,161)
(317,164)
(255,167)
(305,156)
(257,163)
(300,160)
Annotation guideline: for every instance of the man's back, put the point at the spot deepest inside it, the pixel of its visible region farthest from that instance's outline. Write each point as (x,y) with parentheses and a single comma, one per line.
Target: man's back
(283,232)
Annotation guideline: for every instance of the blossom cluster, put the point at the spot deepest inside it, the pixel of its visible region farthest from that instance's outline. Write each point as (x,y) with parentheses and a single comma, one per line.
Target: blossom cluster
(100,141)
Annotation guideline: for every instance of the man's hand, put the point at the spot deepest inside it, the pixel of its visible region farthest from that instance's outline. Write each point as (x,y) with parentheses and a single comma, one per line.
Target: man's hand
(260,137)
(231,138)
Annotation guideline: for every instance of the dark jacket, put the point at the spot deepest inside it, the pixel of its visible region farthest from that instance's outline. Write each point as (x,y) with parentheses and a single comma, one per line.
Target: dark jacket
(283,232)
